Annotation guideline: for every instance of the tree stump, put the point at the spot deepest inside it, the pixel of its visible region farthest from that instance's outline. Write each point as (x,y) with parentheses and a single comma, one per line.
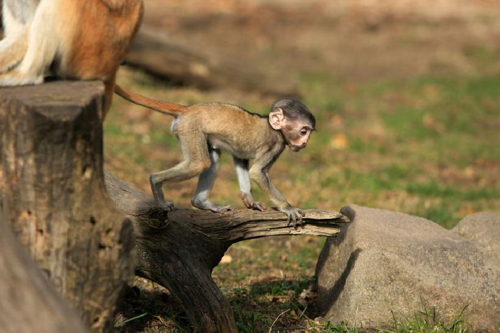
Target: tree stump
(29,303)
(53,194)
(179,249)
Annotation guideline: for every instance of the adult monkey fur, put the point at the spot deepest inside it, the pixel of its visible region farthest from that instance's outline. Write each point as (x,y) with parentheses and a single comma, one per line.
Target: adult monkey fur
(72,39)
(203,130)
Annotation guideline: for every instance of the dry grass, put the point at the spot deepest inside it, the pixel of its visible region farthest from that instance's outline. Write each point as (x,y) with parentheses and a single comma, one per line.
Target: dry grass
(406,95)
(425,147)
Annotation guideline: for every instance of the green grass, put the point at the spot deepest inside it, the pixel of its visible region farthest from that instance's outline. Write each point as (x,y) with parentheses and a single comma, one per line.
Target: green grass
(423,321)
(431,140)
(427,147)
(428,321)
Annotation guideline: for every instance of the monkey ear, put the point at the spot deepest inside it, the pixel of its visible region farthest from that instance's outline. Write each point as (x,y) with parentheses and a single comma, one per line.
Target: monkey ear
(276,118)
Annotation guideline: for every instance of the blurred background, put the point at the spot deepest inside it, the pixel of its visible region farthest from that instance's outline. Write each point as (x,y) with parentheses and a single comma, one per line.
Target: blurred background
(406,94)
(407,98)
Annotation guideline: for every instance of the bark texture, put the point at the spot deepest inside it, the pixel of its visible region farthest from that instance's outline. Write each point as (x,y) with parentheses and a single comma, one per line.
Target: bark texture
(53,194)
(28,303)
(179,249)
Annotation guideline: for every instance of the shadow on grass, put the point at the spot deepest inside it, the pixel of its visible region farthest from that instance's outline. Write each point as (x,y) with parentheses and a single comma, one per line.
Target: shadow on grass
(143,310)
(273,302)
(277,303)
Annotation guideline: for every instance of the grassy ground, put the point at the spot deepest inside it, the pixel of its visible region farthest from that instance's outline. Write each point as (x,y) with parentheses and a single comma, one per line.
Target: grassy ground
(427,147)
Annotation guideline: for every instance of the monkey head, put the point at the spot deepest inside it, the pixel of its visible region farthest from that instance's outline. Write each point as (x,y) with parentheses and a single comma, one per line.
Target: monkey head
(294,120)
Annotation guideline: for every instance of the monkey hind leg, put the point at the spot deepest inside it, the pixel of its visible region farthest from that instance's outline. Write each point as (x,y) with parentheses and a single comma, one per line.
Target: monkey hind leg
(205,183)
(158,192)
(197,160)
(182,171)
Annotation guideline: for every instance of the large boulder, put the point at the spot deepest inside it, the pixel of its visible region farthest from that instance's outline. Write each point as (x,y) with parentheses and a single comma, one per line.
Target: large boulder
(389,263)
(483,230)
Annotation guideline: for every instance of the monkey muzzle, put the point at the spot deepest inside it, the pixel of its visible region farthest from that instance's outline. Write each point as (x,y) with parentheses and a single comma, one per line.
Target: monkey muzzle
(297,148)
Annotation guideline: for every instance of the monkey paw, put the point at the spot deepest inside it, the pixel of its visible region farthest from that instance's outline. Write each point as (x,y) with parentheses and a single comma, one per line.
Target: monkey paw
(207,205)
(221,209)
(255,205)
(251,204)
(293,215)
(259,206)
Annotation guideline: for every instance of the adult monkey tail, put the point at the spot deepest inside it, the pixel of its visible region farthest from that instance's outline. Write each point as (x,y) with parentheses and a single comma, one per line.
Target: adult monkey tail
(13,49)
(170,109)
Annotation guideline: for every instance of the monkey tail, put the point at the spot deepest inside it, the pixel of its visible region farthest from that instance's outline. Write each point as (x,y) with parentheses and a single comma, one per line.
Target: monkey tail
(171,109)
(13,49)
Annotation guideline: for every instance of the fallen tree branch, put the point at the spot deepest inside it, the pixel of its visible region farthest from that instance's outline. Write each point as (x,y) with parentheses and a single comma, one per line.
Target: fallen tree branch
(179,249)
(157,54)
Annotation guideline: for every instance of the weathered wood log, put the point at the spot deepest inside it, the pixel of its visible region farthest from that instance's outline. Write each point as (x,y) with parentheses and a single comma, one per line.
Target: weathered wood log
(179,249)
(158,55)
(28,303)
(53,194)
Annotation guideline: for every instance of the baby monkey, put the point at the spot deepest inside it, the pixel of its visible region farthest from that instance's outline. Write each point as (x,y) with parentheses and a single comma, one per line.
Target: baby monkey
(203,130)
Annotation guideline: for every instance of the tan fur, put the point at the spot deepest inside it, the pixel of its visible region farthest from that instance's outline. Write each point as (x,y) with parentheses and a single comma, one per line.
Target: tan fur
(86,40)
(204,130)
(98,48)
(100,37)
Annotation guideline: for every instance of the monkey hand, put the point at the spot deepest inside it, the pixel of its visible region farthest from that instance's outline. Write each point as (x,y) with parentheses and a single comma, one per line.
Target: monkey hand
(252,204)
(293,215)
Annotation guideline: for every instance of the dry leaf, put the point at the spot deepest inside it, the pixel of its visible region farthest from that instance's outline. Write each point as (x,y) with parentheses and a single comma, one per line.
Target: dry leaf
(141,128)
(336,122)
(226,259)
(339,141)
(469,172)
(432,124)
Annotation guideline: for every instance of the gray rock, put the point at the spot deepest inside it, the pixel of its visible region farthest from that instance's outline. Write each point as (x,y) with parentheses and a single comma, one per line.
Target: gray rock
(483,230)
(389,262)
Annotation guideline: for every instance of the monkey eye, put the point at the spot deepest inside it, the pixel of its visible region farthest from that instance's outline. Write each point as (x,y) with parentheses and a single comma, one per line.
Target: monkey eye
(303,131)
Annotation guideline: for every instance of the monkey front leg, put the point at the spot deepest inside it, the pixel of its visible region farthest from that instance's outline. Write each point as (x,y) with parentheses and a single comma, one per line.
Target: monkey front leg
(246,185)
(261,177)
